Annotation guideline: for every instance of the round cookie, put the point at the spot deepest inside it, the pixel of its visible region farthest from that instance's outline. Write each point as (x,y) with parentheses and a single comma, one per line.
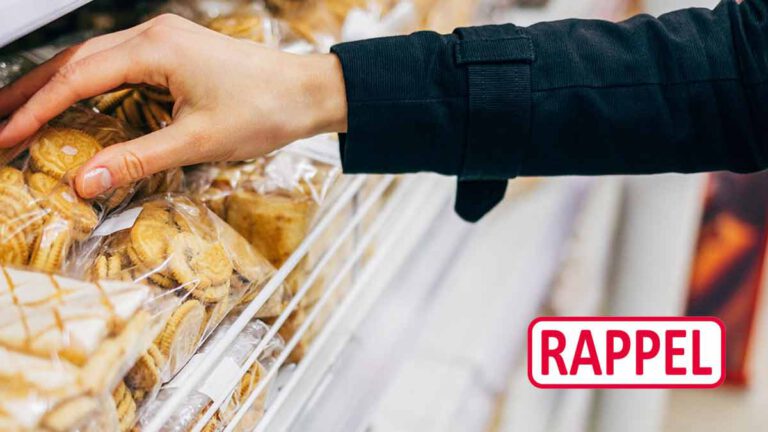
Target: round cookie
(180,336)
(52,245)
(144,375)
(65,202)
(14,247)
(12,176)
(150,236)
(110,101)
(56,151)
(200,265)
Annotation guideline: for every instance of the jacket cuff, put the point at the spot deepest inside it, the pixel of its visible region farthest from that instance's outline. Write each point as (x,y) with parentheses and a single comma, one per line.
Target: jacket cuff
(406,105)
(498,62)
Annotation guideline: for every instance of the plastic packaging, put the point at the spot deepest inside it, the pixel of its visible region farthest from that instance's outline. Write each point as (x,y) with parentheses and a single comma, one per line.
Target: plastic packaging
(215,388)
(271,201)
(250,22)
(64,346)
(42,216)
(146,109)
(178,246)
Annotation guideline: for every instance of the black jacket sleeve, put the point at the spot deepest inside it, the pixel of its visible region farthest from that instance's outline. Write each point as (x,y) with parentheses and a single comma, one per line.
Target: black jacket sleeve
(687,92)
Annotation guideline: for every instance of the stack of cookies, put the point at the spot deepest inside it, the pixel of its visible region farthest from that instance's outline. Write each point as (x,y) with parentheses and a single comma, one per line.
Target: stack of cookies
(144,108)
(176,244)
(215,388)
(65,344)
(250,23)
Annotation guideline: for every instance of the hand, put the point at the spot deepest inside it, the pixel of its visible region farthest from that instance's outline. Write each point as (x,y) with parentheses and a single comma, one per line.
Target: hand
(234,99)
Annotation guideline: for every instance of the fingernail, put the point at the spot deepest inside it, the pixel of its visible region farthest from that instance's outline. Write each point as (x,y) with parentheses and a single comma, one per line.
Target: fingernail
(96,181)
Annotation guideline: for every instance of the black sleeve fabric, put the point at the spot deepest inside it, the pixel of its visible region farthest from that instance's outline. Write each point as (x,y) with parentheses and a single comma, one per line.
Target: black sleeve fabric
(685,92)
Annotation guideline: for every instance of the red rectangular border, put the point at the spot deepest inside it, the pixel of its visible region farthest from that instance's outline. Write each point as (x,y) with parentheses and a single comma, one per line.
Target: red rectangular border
(715,320)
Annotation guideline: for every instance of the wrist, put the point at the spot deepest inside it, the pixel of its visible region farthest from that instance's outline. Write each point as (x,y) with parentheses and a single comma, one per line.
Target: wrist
(327,94)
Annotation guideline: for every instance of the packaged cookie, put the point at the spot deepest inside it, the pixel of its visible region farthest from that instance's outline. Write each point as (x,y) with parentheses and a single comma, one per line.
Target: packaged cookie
(271,201)
(251,22)
(144,108)
(64,346)
(178,246)
(224,386)
(42,216)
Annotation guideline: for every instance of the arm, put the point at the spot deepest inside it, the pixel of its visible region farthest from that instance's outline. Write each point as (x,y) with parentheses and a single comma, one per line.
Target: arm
(686,92)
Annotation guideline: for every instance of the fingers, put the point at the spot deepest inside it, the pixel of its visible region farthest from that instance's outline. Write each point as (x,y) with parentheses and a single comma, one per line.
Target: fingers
(88,77)
(16,94)
(124,163)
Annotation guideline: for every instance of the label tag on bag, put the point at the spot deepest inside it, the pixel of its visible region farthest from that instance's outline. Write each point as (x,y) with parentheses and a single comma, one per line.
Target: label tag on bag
(118,222)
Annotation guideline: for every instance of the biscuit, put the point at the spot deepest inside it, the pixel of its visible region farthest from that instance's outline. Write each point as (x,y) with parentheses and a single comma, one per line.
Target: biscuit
(150,236)
(126,412)
(56,151)
(160,114)
(108,102)
(145,373)
(107,267)
(41,184)
(65,202)
(14,246)
(214,314)
(12,176)
(157,94)
(180,336)
(52,245)
(132,108)
(274,224)
(119,392)
(152,123)
(120,114)
(202,267)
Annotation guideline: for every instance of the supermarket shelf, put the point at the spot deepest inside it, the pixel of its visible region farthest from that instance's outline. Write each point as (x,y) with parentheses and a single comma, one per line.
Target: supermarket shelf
(20,17)
(212,357)
(405,227)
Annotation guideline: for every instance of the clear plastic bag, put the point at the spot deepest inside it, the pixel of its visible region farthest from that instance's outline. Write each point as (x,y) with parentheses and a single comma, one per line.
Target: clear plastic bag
(144,108)
(215,387)
(177,245)
(250,22)
(42,216)
(64,346)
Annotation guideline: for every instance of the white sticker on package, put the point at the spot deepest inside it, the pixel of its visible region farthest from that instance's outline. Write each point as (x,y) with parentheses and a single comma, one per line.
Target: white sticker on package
(118,222)
(219,382)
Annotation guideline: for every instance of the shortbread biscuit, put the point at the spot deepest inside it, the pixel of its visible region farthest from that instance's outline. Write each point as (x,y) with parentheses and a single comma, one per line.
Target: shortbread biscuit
(108,102)
(65,202)
(150,236)
(119,392)
(196,262)
(274,224)
(41,184)
(56,151)
(145,374)
(180,337)
(52,245)
(157,94)
(12,176)
(161,115)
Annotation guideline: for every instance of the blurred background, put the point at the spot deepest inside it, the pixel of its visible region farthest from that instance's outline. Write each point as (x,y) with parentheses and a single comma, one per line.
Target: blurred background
(439,344)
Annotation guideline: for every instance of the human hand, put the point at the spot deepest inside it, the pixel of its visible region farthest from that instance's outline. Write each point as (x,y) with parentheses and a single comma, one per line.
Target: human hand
(234,99)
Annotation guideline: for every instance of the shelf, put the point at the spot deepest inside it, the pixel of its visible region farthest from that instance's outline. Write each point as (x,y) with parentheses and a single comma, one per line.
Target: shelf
(369,207)
(20,17)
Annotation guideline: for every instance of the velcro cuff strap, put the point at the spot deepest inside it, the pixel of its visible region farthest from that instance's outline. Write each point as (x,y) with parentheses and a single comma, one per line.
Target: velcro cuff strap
(515,49)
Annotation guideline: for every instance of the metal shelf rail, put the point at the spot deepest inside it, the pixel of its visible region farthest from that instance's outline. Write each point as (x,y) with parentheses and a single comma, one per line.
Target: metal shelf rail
(392,223)
(349,196)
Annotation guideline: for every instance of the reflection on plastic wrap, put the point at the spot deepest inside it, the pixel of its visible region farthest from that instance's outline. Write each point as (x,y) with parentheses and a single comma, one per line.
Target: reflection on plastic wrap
(727,268)
(215,388)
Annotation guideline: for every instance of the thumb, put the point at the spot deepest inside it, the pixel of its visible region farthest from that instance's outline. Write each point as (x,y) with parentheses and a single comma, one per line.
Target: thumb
(121,164)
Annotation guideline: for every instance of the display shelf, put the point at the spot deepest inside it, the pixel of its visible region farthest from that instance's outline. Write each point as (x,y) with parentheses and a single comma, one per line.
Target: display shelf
(404,225)
(20,17)
(365,225)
